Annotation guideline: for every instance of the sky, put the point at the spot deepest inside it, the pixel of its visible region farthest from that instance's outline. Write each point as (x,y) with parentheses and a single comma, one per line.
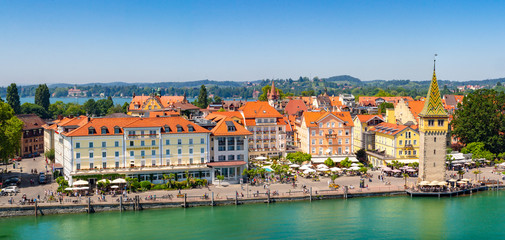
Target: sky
(158,41)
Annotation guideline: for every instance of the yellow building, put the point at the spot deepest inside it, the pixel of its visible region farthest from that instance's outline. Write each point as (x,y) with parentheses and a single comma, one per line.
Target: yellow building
(394,142)
(143,148)
(362,123)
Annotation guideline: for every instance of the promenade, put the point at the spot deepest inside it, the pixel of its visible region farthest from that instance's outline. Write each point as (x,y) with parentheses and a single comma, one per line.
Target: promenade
(220,193)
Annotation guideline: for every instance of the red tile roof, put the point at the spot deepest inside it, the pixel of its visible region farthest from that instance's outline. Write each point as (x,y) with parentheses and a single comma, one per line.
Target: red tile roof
(259,109)
(31,121)
(312,117)
(390,128)
(366,118)
(221,128)
(294,106)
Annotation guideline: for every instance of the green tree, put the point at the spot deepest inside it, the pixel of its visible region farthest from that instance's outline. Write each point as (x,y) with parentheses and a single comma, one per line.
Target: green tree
(405,176)
(50,155)
(74,110)
(10,132)
(346,163)
(461,173)
(220,178)
(57,108)
(126,105)
(329,162)
(480,118)
(203,99)
(265,90)
(477,149)
(13,98)
(384,106)
(361,155)
(42,96)
(90,107)
(29,108)
(116,109)
(217,99)
(298,157)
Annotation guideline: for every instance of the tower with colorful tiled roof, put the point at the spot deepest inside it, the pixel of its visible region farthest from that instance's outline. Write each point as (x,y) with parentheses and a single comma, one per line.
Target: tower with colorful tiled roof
(433,125)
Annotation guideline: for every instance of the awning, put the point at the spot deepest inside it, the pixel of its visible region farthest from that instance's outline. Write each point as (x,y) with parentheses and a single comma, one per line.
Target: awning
(407,161)
(226,163)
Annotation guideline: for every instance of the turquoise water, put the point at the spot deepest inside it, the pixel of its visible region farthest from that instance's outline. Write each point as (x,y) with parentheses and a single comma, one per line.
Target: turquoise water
(480,216)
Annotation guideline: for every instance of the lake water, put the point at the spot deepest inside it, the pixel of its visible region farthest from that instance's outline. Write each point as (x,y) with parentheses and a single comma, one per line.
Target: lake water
(480,216)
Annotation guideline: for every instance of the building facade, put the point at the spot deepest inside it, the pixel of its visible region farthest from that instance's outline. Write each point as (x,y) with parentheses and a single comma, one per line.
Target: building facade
(268,129)
(326,133)
(362,124)
(32,139)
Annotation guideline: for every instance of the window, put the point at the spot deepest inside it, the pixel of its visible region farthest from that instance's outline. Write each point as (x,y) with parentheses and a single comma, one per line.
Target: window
(347,132)
(320,125)
(91,131)
(231,157)
(167,142)
(116,154)
(191,151)
(332,124)
(415,142)
(339,141)
(141,132)
(78,155)
(153,142)
(415,152)
(190,160)
(313,150)
(91,155)
(179,151)
(104,164)
(104,131)
(191,141)
(90,144)
(117,164)
(104,154)
(339,124)
(434,151)
(179,161)
(400,152)
(78,166)
(327,125)
(116,144)
(347,141)
(202,141)
(431,122)
(90,165)
(131,144)
(221,158)
(142,143)
(313,141)
(202,150)
(152,132)
(117,130)
(435,139)
(131,132)
(78,145)
(321,141)
(313,133)
(132,153)
(320,132)
(440,123)
(104,144)
(179,141)
(330,141)
(202,160)
(401,142)
(340,132)
(168,151)
(142,153)
(320,151)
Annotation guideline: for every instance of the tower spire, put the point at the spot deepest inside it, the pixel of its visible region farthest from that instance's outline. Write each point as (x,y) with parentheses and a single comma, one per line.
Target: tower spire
(433,105)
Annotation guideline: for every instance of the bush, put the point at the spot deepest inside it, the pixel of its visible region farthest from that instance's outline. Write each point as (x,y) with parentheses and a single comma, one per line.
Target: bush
(158,187)
(145,185)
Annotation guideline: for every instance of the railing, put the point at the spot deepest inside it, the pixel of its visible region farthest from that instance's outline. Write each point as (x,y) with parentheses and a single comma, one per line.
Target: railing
(331,135)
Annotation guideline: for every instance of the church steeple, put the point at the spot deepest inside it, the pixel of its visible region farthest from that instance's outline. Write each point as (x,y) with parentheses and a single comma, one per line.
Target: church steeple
(433,106)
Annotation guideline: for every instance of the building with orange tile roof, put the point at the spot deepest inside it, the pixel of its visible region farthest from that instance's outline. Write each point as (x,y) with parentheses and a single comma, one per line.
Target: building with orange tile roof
(142,105)
(229,154)
(295,106)
(142,148)
(268,128)
(394,142)
(325,133)
(407,112)
(376,101)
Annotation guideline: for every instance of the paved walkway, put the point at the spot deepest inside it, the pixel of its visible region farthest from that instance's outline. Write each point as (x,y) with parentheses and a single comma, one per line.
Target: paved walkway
(220,192)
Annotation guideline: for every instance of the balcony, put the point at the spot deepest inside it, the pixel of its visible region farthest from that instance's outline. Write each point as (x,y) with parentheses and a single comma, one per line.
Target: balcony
(408,147)
(330,135)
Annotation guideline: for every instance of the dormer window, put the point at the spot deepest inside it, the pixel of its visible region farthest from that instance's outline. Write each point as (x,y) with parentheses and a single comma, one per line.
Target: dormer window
(230,126)
(91,131)
(191,128)
(179,128)
(167,128)
(117,130)
(103,131)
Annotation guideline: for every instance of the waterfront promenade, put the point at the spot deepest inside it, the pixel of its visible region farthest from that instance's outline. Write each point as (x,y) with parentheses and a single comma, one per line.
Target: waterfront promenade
(221,194)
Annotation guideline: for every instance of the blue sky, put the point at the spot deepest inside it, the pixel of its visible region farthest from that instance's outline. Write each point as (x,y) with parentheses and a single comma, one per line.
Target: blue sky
(153,41)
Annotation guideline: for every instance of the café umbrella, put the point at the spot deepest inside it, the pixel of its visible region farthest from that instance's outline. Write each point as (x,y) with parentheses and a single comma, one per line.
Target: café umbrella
(80,182)
(118,181)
